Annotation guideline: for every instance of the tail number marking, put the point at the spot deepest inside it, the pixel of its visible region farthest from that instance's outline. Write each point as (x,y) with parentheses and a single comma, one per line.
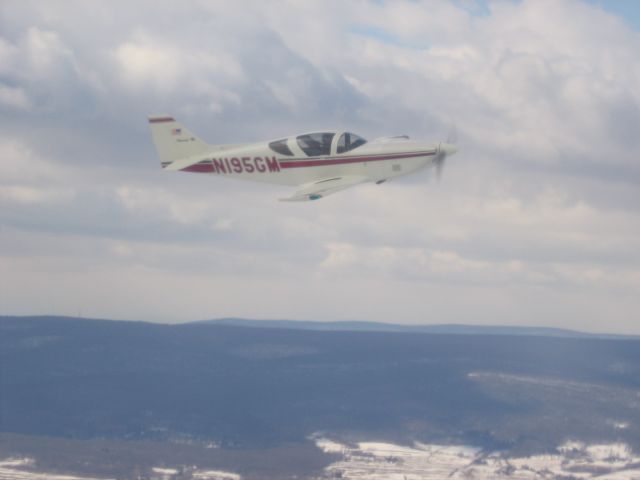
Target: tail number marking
(245,164)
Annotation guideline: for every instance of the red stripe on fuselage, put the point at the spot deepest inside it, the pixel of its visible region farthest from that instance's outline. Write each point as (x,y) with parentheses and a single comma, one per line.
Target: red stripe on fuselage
(207,166)
(346,160)
(199,168)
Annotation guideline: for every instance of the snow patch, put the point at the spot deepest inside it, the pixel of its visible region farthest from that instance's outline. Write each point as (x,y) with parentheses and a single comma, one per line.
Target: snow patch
(215,475)
(17,462)
(378,461)
(12,469)
(164,471)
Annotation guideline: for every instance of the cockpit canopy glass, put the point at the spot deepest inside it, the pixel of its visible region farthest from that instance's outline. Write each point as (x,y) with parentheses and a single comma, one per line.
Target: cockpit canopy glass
(281,147)
(315,144)
(348,141)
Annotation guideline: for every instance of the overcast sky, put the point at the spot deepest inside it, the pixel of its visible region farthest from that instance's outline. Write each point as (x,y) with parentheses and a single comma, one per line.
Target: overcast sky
(536,220)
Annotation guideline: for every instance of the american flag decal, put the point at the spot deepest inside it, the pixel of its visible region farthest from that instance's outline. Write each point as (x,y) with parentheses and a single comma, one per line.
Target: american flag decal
(176,131)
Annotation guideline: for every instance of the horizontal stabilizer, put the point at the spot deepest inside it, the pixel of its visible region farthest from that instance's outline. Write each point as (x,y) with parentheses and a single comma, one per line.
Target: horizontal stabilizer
(322,188)
(183,163)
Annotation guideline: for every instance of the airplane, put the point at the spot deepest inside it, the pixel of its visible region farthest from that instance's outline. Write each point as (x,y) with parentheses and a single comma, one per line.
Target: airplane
(317,163)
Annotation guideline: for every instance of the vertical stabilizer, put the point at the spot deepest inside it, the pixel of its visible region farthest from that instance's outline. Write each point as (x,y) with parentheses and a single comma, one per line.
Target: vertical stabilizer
(173,141)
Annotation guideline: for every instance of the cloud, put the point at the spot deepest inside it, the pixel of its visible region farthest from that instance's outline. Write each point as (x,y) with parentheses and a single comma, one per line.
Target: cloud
(34,195)
(145,61)
(14,97)
(536,219)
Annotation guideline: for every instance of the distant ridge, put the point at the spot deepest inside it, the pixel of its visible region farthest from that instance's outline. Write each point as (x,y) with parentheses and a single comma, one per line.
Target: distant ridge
(358,326)
(455,329)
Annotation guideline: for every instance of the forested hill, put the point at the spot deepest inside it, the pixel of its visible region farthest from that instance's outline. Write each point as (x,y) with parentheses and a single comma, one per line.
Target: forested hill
(242,386)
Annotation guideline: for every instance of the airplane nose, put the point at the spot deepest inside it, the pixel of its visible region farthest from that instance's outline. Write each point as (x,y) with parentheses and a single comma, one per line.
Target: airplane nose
(448,148)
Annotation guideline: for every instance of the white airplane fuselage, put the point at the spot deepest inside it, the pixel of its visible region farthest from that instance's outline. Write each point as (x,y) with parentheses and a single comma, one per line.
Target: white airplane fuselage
(260,164)
(293,161)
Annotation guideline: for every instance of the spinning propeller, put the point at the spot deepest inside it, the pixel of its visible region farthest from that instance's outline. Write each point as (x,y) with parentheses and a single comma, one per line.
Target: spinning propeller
(445,149)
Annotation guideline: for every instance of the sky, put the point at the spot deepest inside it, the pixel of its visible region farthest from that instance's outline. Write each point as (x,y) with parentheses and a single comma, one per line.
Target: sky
(536,220)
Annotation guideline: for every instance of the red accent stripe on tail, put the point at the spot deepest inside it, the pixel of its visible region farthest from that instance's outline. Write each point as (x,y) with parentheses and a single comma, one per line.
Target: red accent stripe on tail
(161,120)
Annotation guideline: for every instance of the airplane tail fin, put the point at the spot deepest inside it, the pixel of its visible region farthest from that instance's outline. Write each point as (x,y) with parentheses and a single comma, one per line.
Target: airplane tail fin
(173,141)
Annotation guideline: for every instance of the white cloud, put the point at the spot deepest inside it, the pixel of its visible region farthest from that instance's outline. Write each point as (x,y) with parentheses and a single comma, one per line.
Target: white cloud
(536,219)
(45,51)
(20,163)
(159,202)
(14,97)
(147,61)
(28,195)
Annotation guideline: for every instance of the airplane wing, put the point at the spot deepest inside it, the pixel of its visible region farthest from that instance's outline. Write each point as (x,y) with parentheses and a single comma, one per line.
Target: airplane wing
(322,188)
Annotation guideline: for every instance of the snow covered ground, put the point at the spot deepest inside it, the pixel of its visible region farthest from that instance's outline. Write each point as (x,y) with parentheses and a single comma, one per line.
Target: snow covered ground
(215,475)
(23,469)
(19,469)
(386,461)
(378,461)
